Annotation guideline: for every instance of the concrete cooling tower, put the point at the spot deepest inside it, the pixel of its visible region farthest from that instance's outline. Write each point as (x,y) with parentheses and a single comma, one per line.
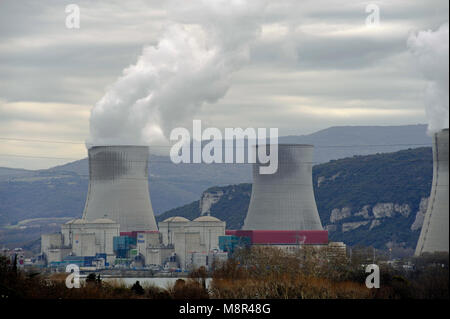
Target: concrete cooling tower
(118,187)
(284,200)
(434,234)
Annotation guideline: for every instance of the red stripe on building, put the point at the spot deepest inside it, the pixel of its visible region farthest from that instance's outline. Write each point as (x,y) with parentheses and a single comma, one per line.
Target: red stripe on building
(281,237)
(134,233)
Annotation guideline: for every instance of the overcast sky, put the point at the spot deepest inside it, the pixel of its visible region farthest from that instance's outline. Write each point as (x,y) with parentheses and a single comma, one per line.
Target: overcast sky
(314,64)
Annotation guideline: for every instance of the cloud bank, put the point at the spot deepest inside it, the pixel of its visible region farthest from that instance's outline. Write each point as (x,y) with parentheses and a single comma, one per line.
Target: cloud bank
(430,49)
(313,65)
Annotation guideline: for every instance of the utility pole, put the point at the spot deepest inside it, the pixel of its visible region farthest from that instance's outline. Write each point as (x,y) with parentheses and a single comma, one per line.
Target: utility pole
(169,240)
(209,240)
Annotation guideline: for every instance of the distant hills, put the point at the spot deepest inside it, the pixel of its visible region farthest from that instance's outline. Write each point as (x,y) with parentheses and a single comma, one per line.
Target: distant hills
(346,141)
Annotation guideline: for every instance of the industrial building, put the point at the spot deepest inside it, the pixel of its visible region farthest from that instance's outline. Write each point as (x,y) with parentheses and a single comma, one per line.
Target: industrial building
(434,233)
(80,238)
(283,237)
(230,243)
(287,240)
(52,247)
(181,244)
(152,249)
(199,236)
(88,238)
(208,259)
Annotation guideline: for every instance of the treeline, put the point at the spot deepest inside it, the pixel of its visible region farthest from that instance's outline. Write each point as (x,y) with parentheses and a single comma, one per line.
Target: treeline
(16,284)
(310,273)
(258,273)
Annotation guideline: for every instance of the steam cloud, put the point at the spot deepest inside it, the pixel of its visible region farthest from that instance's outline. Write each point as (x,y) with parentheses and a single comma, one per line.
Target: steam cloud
(194,60)
(431,51)
(191,65)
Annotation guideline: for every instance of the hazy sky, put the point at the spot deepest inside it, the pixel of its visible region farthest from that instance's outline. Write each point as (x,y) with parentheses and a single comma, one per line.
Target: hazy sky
(313,64)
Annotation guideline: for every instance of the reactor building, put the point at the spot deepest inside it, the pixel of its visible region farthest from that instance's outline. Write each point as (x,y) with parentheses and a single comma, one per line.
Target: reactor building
(434,233)
(118,187)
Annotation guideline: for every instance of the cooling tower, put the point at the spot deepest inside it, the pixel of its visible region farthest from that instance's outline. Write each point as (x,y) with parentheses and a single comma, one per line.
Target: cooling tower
(284,200)
(118,187)
(434,234)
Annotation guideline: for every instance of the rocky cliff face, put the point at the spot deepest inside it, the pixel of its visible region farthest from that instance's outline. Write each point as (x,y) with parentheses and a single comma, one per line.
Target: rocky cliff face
(207,200)
(342,219)
(338,214)
(228,203)
(420,215)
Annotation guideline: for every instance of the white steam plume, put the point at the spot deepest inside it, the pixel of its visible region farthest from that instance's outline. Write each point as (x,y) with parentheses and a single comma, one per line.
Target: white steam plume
(191,65)
(431,51)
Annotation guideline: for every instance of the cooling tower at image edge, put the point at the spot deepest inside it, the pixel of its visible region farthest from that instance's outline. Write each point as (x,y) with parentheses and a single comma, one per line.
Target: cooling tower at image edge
(434,233)
(118,187)
(284,200)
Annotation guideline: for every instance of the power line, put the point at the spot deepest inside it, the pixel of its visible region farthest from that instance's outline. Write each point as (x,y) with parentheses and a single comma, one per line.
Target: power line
(169,146)
(274,185)
(34,156)
(273,191)
(190,146)
(167,161)
(371,145)
(38,141)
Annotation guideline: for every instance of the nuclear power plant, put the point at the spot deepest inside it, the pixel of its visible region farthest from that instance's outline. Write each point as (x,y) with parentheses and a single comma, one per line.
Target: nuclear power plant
(118,187)
(118,226)
(434,233)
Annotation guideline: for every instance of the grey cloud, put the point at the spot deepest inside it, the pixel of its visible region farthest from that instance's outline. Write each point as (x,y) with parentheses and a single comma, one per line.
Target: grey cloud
(41,61)
(327,52)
